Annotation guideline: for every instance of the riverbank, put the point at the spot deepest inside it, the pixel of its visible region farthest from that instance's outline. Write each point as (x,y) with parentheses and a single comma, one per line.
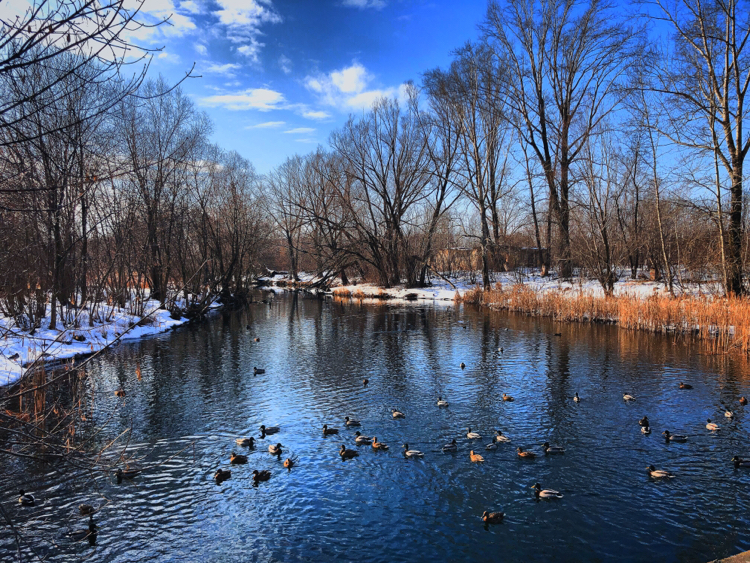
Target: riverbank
(20,349)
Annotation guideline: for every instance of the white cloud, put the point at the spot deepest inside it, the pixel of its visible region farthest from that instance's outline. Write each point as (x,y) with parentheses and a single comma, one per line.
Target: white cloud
(200,48)
(168,57)
(192,7)
(261,99)
(347,89)
(306,140)
(225,69)
(251,50)
(364,4)
(285,63)
(243,20)
(267,125)
(318,115)
(300,130)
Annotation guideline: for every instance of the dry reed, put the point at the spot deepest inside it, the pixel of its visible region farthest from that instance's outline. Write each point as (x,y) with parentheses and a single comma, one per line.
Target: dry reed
(725,321)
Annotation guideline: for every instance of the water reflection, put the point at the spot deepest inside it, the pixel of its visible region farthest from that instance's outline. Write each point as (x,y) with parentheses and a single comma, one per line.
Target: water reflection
(198,393)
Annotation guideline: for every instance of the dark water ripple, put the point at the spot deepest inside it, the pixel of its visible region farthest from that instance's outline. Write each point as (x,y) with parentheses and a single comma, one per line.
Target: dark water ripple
(198,393)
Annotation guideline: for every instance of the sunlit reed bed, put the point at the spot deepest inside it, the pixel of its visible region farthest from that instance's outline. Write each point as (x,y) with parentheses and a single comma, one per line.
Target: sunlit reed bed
(724,320)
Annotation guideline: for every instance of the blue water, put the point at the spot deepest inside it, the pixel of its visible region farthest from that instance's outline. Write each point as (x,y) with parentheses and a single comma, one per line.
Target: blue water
(198,393)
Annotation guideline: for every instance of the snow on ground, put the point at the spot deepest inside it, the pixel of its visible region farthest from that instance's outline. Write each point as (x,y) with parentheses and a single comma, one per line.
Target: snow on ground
(18,349)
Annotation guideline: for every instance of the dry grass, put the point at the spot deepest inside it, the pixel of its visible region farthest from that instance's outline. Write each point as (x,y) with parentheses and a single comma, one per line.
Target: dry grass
(723,321)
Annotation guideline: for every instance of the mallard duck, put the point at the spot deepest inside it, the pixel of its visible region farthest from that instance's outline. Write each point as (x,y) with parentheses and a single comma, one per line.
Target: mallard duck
(347,454)
(256,339)
(659,473)
(499,437)
(246,442)
(25,499)
(501,349)
(685,386)
(441,402)
(222,475)
(545,493)
(378,445)
(275,450)
(628,397)
(360,439)
(463,365)
(727,412)
(365,381)
(644,421)
(739,462)
(492,517)
(508,398)
(235,459)
(743,401)
(86,509)
(645,430)
(491,446)
(711,425)
(329,431)
(351,422)
(397,414)
(552,449)
(290,462)
(524,454)
(266,430)
(411,453)
(475,458)
(258,371)
(126,474)
(120,392)
(673,437)
(576,398)
(473,435)
(78,535)
(450,446)
(262,475)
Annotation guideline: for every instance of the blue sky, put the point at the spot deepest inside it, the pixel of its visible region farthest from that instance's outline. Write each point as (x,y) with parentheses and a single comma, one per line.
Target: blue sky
(278,75)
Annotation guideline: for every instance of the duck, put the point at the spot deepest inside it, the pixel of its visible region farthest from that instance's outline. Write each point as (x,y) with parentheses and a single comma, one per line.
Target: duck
(659,473)
(275,450)
(86,509)
(258,371)
(545,493)
(378,445)
(89,533)
(711,425)
(552,449)
(120,392)
(126,474)
(246,442)
(491,446)
(397,414)
(441,402)
(351,422)
(365,381)
(628,397)
(222,475)
(463,365)
(492,517)
(25,499)
(475,458)
(256,339)
(524,454)
(411,453)
(644,422)
(347,454)
(450,446)
(290,462)
(576,398)
(262,475)
(743,401)
(499,437)
(329,431)
(473,435)
(501,349)
(728,413)
(235,459)
(673,437)
(360,439)
(739,462)
(645,430)
(507,398)
(268,429)
(685,386)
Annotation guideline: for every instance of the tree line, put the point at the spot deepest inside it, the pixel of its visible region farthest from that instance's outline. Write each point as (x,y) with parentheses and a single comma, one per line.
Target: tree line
(599,140)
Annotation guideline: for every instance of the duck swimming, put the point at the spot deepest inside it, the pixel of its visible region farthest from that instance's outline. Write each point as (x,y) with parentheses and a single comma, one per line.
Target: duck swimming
(739,462)
(552,449)
(378,445)
(275,450)
(26,499)
(659,473)
(351,422)
(126,474)
(727,412)
(499,437)
(90,533)
(475,458)
(267,430)
(644,421)
(492,517)
(235,459)
(685,386)
(711,425)
(120,392)
(576,398)
(545,493)
(262,475)
(290,462)
(743,401)
(86,509)
(450,446)
(442,403)
(628,397)
(258,371)
(347,454)
(361,440)
(673,437)
(329,431)
(397,414)
(246,442)
(411,453)
(473,435)
(523,454)
(645,430)
(222,475)
(507,398)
